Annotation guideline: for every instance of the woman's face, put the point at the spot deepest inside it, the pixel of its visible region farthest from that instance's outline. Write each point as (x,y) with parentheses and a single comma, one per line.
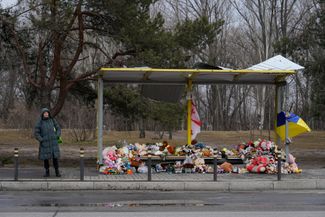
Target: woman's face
(45,114)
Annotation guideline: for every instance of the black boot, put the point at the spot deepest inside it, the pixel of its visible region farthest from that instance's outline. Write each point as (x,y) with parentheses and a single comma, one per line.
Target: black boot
(47,168)
(57,173)
(47,173)
(56,166)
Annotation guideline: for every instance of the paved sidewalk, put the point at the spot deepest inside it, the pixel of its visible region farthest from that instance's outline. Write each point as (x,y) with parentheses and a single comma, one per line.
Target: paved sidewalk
(31,179)
(33,174)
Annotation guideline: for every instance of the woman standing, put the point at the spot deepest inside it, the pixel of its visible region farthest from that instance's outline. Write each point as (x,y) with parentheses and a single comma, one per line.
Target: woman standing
(47,131)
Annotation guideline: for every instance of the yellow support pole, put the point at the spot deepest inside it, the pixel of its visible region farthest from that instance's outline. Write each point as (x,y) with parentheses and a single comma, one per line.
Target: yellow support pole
(189,111)
(278,107)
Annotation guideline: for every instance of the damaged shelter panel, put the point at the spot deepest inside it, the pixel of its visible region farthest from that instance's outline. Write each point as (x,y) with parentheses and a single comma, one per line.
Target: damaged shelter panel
(166,93)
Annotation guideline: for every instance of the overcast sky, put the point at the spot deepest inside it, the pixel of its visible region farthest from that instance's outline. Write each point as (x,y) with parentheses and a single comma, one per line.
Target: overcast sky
(7,3)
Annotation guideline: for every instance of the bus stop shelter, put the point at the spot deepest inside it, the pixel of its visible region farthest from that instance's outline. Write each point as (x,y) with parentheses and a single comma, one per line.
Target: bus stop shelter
(187,77)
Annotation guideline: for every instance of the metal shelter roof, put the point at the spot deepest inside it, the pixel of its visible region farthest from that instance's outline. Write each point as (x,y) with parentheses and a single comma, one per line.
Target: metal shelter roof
(277,63)
(198,76)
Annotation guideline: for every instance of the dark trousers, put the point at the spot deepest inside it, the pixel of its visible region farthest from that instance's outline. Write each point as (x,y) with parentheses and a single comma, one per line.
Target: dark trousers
(55,164)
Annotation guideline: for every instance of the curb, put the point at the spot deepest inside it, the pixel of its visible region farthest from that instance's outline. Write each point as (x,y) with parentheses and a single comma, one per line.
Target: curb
(232,186)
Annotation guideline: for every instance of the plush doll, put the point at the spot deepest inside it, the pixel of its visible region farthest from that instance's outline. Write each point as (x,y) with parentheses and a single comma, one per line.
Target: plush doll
(199,165)
(129,171)
(159,168)
(143,168)
(153,148)
(293,167)
(255,168)
(109,155)
(227,167)
(243,170)
(241,147)
(235,170)
(141,149)
(199,145)
(163,146)
(285,168)
(102,169)
(112,155)
(209,169)
(256,143)
(170,169)
(179,151)
(111,164)
(171,149)
(206,152)
(167,149)
(158,153)
(137,146)
(228,152)
(258,164)
(188,164)
(178,167)
(120,166)
(122,152)
(131,147)
(107,150)
(264,145)
(135,162)
(198,153)
(188,161)
(271,168)
(131,154)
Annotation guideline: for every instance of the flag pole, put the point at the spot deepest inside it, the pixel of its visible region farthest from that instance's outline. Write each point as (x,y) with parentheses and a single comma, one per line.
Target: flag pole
(287,140)
(189,110)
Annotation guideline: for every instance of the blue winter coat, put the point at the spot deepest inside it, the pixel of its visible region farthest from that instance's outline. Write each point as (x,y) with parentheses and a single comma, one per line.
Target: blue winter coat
(47,132)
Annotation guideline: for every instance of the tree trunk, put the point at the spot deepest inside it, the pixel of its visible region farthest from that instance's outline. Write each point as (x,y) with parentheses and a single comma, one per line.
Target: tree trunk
(45,98)
(170,132)
(142,130)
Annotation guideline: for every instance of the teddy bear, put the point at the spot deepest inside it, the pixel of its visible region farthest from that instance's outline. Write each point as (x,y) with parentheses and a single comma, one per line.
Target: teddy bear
(159,168)
(226,167)
(199,165)
(179,151)
(143,168)
(167,149)
(207,152)
(293,167)
(271,168)
(142,150)
(188,164)
(258,164)
(178,167)
(112,155)
(107,150)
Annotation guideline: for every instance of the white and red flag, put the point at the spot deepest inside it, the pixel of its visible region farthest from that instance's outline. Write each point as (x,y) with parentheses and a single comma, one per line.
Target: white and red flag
(195,122)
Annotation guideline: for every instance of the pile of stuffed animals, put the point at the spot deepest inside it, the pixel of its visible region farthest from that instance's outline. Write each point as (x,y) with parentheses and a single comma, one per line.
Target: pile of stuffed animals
(126,159)
(116,161)
(261,157)
(258,156)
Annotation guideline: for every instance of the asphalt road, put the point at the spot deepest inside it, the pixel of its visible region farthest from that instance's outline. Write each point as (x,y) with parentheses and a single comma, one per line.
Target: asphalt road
(165,214)
(154,203)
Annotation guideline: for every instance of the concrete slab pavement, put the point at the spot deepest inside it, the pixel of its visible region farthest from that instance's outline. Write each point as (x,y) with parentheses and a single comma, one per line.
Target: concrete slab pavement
(163,214)
(231,186)
(31,179)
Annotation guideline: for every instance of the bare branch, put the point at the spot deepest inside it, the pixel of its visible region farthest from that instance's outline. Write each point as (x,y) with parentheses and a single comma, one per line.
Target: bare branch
(81,41)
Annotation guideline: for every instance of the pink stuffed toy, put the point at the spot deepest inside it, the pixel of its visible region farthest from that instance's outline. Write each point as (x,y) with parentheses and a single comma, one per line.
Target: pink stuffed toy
(258,164)
(293,167)
(112,155)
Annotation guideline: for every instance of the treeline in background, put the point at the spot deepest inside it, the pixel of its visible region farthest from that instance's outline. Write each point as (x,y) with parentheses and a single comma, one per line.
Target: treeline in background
(51,50)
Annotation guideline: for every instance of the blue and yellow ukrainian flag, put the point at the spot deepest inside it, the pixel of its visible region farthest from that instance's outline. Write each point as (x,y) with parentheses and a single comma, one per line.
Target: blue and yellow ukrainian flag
(295,123)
